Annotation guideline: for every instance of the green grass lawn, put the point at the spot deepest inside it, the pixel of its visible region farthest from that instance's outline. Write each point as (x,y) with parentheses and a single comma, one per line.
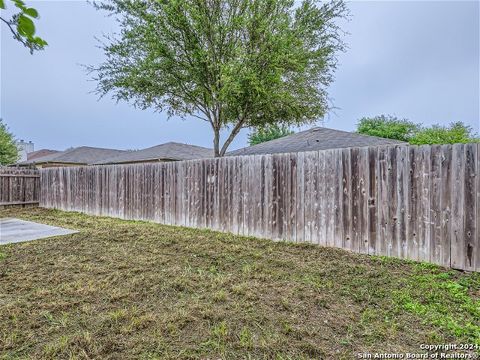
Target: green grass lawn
(136,290)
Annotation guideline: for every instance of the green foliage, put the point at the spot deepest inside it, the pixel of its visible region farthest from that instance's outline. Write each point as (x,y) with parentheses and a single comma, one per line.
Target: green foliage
(22,26)
(231,63)
(391,127)
(387,126)
(8,149)
(455,133)
(267,133)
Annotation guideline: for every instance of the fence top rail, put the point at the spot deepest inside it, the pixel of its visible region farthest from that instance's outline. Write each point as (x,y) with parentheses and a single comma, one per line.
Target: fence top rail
(259,156)
(20,175)
(17,170)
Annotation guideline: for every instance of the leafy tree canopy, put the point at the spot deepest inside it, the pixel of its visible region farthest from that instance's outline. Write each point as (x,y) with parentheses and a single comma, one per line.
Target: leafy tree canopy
(391,127)
(455,133)
(22,27)
(267,133)
(8,149)
(387,126)
(231,63)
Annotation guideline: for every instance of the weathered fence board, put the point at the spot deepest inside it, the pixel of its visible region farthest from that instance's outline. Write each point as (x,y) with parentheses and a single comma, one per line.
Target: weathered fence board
(420,203)
(19,186)
(470,216)
(477,266)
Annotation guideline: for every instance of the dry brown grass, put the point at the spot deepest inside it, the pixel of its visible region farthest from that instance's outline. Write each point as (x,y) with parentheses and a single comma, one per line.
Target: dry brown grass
(136,290)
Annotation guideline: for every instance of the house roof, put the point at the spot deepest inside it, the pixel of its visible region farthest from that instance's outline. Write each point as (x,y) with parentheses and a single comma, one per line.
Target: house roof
(317,138)
(167,151)
(80,155)
(40,153)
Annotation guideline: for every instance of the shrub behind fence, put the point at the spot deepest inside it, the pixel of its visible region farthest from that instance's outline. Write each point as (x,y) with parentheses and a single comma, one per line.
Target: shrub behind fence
(420,203)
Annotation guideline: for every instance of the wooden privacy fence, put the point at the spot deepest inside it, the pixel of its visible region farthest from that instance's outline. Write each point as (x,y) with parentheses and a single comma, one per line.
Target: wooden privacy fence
(420,203)
(19,186)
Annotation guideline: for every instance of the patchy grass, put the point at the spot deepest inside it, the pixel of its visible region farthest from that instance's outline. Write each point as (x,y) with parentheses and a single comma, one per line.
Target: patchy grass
(137,290)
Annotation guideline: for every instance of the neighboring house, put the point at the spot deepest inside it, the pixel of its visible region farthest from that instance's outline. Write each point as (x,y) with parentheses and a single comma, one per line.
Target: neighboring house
(170,151)
(83,155)
(40,153)
(317,138)
(23,149)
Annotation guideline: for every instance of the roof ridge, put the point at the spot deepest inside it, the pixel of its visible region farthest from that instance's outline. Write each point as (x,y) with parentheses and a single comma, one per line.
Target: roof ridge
(170,150)
(179,143)
(315,138)
(96,148)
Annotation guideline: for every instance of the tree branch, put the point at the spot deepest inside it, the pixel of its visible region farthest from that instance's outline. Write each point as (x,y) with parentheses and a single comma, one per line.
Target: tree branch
(15,34)
(235,131)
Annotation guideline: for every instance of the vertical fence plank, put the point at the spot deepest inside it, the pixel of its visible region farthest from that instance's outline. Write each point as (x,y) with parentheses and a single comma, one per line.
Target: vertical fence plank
(457,226)
(313,218)
(284,193)
(435,208)
(268,193)
(253,195)
(372,200)
(477,244)
(355,214)
(310,196)
(393,208)
(222,194)
(346,199)
(227,222)
(413,195)
(292,194)
(330,197)
(209,196)
(321,199)
(403,199)
(383,238)
(300,196)
(424,201)
(339,233)
(236,194)
(275,197)
(256,205)
(470,215)
(363,186)
(446,204)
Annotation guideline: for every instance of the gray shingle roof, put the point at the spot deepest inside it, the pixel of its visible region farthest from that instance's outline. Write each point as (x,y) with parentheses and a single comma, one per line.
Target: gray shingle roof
(80,155)
(41,153)
(167,151)
(317,138)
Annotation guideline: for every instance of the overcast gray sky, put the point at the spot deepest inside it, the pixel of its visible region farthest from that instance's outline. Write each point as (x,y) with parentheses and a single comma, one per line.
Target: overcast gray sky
(413,59)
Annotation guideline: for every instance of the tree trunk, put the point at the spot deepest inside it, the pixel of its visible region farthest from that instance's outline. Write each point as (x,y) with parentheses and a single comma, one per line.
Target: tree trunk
(216,142)
(236,129)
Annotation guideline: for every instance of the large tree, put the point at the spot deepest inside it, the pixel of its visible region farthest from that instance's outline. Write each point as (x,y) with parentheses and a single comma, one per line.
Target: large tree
(22,25)
(8,149)
(231,63)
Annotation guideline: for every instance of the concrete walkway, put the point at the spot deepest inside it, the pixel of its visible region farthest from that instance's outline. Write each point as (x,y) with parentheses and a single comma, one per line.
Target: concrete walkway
(16,230)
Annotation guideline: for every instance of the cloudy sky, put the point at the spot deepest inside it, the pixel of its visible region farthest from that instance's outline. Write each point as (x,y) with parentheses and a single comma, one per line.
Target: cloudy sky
(413,59)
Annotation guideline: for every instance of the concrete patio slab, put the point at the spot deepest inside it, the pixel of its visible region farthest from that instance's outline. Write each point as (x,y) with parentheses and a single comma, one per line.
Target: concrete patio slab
(16,230)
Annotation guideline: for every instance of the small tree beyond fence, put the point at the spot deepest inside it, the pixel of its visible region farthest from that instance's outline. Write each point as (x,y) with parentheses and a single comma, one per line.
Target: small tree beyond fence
(420,203)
